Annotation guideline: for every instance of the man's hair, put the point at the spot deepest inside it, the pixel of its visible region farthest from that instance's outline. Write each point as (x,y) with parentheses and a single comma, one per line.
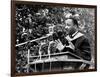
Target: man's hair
(75,22)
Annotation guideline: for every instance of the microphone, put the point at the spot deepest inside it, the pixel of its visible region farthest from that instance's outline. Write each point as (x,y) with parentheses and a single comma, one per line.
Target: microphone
(55,36)
(61,36)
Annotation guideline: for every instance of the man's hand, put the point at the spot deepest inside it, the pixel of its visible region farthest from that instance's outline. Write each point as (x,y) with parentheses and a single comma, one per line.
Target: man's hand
(59,46)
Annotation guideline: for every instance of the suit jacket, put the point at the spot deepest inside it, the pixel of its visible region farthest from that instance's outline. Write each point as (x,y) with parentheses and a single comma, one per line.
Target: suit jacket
(82,48)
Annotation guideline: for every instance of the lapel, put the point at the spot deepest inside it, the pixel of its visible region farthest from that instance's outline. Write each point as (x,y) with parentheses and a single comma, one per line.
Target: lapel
(75,36)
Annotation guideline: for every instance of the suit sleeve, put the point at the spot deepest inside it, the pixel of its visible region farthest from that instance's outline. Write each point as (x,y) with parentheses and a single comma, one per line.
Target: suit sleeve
(84,50)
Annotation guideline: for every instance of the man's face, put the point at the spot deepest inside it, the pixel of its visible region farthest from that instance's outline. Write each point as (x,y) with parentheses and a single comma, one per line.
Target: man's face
(69,24)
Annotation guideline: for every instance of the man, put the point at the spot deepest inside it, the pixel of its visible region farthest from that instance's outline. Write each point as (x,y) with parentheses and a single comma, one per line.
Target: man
(78,43)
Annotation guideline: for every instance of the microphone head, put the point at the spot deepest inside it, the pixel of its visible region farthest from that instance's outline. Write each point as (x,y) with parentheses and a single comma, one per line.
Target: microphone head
(55,36)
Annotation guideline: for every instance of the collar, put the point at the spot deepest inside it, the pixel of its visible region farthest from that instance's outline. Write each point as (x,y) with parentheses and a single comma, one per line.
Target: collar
(75,36)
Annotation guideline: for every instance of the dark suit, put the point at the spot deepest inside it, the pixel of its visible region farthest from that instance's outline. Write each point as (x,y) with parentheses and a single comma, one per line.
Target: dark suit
(82,49)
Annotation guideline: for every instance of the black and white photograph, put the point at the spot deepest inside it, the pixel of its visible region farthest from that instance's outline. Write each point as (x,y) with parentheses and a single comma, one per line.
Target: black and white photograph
(53,38)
